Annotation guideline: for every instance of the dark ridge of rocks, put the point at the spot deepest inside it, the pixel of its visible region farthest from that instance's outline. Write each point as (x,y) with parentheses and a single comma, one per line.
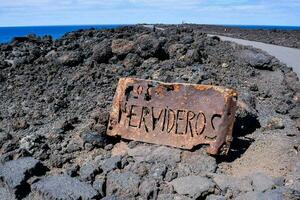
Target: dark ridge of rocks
(288,38)
(56,97)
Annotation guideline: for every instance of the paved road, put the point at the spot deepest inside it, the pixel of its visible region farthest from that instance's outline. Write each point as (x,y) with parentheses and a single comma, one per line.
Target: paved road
(289,56)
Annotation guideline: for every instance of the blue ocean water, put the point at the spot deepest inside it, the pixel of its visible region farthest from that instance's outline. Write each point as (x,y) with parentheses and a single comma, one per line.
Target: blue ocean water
(8,33)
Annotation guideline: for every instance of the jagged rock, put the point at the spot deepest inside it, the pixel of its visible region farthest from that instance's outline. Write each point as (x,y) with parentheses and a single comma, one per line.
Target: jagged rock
(172,197)
(113,197)
(4,136)
(63,187)
(148,189)
(246,115)
(95,139)
(167,155)
(15,173)
(58,160)
(5,194)
(255,59)
(102,52)
(73,146)
(119,149)
(191,56)
(253,87)
(125,184)
(31,142)
(158,171)
(88,171)
(139,152)
(166,188)
(236,185)
(140,168)
(20,124)
(132,60)
(261,182)
(99,185)
(187,39)
(72,170)
(6,47)
(215,197)
(193,186)
(122,47)
(2,78)
(110,164)
(70,58)
(177,50)
(171,175)
(260,195)
(292,80)
(66,124)
(294,113)
(196,163)
(147,46)
(297,123)
(109,147)
(284,107)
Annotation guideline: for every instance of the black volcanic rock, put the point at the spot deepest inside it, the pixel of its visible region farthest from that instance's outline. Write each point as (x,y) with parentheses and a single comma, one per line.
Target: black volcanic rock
(15,173)
(95,139)
(63,187)
(4,136)
(122,184)
(147,46)
(257,60)
(102,52)
(122,47)
(70,58)
(132,60)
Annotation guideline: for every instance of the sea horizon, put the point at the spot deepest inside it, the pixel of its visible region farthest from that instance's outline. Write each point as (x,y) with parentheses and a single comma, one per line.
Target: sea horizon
(7,33)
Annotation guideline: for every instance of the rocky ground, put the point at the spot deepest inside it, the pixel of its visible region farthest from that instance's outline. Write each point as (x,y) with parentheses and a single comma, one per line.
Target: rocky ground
(54,107)
(288,38)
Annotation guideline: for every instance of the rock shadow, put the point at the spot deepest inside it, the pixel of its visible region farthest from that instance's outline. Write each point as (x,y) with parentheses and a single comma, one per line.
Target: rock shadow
(237,149)
(245,124)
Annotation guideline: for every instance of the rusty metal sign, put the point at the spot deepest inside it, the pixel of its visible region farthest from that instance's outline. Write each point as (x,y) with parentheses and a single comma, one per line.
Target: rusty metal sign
(173,114)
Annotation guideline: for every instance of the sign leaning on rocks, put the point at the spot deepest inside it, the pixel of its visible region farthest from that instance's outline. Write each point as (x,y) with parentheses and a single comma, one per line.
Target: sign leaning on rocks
(174,114)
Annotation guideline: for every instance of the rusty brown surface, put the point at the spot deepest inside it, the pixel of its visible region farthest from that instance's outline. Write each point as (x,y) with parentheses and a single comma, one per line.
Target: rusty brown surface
(178,115)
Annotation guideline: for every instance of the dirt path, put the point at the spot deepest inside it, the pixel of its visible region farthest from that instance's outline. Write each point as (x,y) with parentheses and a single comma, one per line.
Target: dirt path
(289,56)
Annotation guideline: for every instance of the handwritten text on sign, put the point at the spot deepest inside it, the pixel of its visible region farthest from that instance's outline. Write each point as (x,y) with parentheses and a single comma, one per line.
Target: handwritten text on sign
(179,115)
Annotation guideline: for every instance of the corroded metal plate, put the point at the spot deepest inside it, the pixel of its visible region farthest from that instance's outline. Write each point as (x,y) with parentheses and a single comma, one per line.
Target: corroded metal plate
(173,114)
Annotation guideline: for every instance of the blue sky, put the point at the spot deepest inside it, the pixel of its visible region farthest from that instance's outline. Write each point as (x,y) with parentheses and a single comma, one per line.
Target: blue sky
(70,12)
